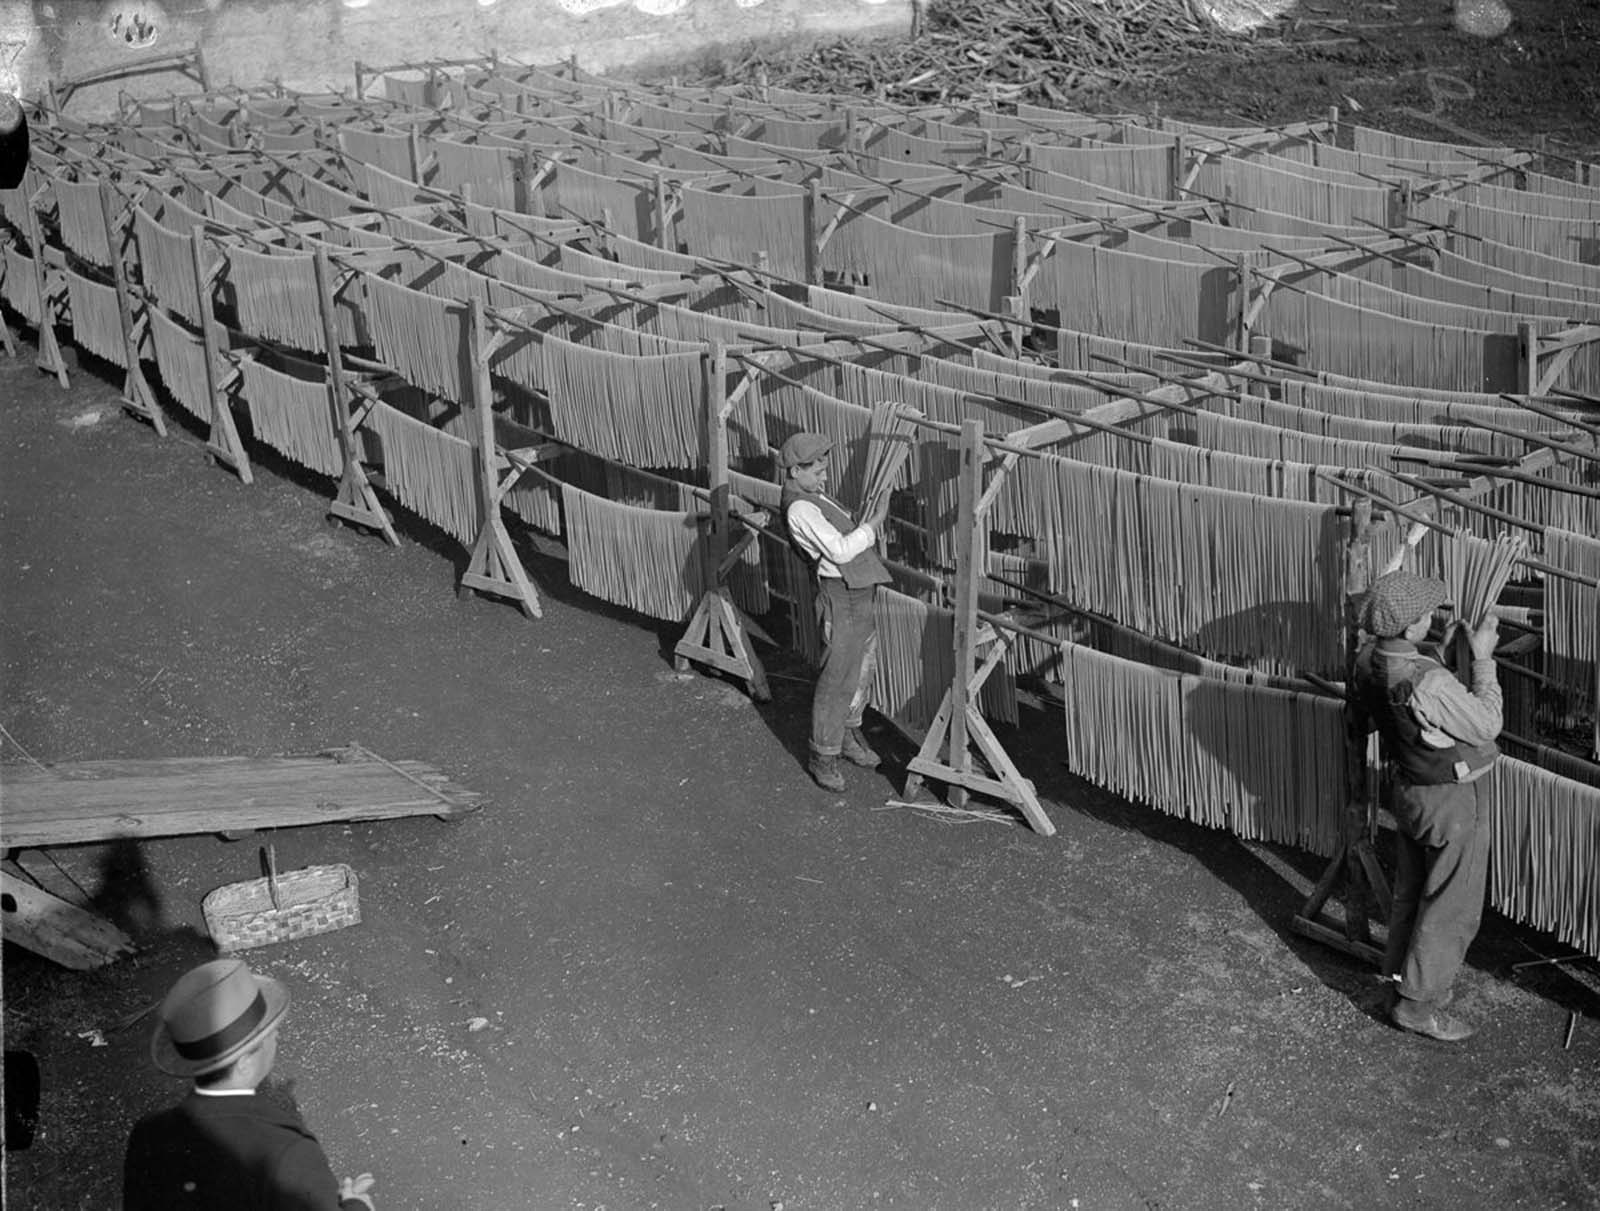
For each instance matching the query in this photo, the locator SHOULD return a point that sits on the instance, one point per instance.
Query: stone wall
(313, 44)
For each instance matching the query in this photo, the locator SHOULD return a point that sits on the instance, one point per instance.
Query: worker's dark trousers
(849, 659)
(1443, 859)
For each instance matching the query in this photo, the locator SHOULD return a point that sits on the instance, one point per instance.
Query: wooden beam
(61, 932)
(105, 800)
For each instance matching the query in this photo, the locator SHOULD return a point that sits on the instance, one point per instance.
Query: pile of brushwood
(1041, 52)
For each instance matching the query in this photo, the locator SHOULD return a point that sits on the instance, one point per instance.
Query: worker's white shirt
(820, 538)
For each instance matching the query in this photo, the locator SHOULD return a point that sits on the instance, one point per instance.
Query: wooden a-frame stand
(1355, 862)
(49, 357)
(356, 501)
(137, 397)
(223, 440)
(945, 755)
(494, 566)
(719, 632)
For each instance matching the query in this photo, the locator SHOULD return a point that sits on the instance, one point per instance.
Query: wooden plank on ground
(61, 932)
(101, 800)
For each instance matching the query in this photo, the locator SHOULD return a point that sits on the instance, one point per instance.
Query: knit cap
(1397, 599)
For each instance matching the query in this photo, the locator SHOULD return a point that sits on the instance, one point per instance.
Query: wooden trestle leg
(719, 632)
(494, 566)
(946, 752)
(1355, 862)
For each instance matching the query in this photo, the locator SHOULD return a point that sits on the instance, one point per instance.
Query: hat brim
(165, 1053)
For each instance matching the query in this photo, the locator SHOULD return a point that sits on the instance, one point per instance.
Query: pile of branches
(1037, 51)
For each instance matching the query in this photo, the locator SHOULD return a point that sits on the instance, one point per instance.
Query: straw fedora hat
(212, 1016)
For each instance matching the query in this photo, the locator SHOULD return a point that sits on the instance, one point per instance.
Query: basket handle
(269, 857)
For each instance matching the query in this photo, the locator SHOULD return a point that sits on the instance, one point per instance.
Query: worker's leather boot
(857, 750)
(1430, 1021)
(825, 769)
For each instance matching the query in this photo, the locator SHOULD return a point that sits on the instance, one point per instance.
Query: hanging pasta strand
(276, 297)
(645, 559)
(96, 318)
(1544, 866)
(181, 358)
(291, 415)
(430, 472)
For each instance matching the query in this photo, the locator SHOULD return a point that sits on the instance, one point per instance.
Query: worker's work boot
(857, 750)
(825, 769)
(1430, 1021)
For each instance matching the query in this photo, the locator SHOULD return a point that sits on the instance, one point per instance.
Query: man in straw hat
(1438, 741)
(845, 558)
(225, 1147)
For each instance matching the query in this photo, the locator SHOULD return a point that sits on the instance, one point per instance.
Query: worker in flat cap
(1438, 742)
(843, 553)
(225, 1147)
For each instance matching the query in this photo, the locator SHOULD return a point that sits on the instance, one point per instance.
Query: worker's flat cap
(803, 448)
(1400, 598)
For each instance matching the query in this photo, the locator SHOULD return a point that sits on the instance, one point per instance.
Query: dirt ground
(705, 982)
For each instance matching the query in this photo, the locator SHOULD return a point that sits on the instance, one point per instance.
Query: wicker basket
(280, 908)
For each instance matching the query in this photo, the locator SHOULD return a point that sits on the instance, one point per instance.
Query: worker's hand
(357, 1189)
(1486, 638)
(879, 515)
(10, 113)
(1416, 533)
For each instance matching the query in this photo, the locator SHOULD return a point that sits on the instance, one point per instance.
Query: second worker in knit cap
(842, 552)
(1438, 742)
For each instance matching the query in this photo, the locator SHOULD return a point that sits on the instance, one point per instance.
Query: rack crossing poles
(1355, 861)
(946, 752)
(356, 502)
(494, 566)
(137, 397)
(223, 440)
(1544, 359)
(719, 632)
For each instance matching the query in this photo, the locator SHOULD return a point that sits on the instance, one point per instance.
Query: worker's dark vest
(1387, 685)
(862, 572)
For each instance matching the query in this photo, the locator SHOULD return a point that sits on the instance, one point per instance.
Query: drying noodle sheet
(181, 359)
(275, 296)
(1225, 573)
(82, 220)
(735, 227)
(644, 411)
(648, 560)
(21, 287)
(166, 266)
(387, 150)
(1264, 763)
(422, 337)
(916, 664)
(96, 318)
(1544, 856)
(292, 415)
(912, 268)
(430, 472)
(1572, 614)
